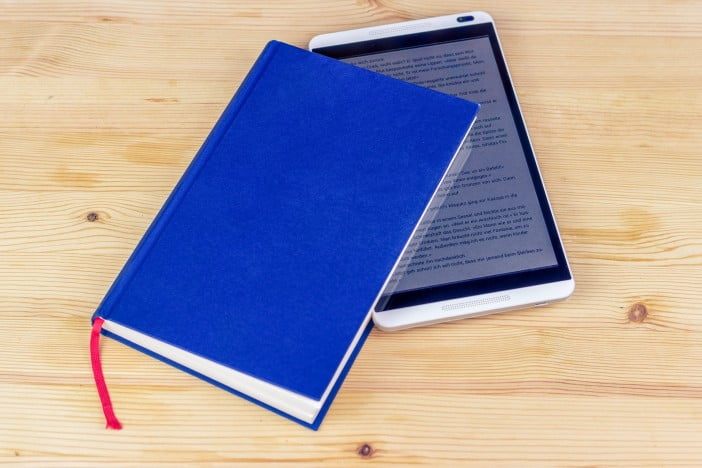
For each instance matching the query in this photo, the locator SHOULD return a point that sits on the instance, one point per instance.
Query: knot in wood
(365, 450)
(638, 312)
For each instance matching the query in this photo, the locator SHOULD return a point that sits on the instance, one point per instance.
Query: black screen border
(484, 285)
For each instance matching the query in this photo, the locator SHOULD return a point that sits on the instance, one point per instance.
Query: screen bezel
(483, 285)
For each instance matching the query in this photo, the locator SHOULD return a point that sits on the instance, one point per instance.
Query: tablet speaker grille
(395, 29)
(477, 302)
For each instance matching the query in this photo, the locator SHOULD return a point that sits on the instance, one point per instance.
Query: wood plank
(105, 103)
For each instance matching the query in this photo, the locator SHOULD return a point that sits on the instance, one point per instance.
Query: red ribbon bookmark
(110, 418)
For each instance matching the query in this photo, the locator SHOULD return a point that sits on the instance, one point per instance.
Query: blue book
(259, 272)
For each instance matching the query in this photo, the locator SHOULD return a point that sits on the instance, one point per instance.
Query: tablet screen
(489, 219)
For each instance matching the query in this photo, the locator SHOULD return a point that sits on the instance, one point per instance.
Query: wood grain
(104, 104)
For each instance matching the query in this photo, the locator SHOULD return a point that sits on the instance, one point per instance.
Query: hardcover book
(260, 270)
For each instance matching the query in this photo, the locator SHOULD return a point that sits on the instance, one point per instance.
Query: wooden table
(104, 104)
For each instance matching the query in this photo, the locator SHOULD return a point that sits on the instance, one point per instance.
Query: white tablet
(488, 241)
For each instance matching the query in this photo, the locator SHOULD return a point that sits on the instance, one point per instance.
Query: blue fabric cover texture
(270, 251)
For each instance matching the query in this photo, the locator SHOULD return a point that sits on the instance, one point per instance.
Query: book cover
(259, 272)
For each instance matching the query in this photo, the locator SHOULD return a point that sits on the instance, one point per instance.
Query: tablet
(488, 241)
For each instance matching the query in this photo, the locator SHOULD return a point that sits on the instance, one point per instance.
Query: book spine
(189, 176)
